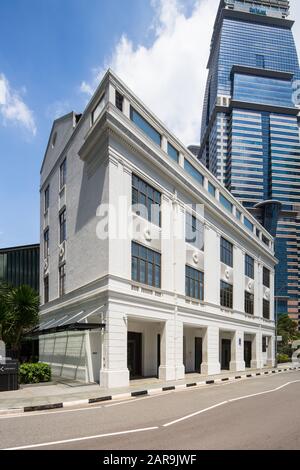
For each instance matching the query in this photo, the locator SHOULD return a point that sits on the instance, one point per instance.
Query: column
(257, 359)
(212, 266)
(114, 372)
(237, 362)
(172, 367)
(238, 280)
(211, 347)
(271, 351)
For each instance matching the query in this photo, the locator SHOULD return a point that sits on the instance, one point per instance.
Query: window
(62, 280)
(62, 226)
(264, 344)
(266, 309)
(46, 243)
(191, 170)
(248, 224)
(249, 266)
(46, 289)
(46, 199)
(98, 109)
(265, 240)
(266, 277)
(249, 303)
(173, 153)
(226, 297)
(225, 203)
(211, 189)
(146, 265)
(63, 174)
(260, 61)
(145, 126)
(194, 231)
(119, 101)
(146, 201)
(226, 252)
(194, 283)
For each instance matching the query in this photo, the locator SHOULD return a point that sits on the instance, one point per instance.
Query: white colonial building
(126, 292)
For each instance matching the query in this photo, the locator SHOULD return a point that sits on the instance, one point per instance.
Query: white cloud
(12, 107)
(170, 75)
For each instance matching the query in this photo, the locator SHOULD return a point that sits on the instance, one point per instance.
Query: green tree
(4, 290)
(288, 329)
(22, 306)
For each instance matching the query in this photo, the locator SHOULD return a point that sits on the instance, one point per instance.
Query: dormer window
(98, 109)
(119, 101)
(54, 138)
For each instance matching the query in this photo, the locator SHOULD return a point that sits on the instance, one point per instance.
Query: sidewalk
(68, 394)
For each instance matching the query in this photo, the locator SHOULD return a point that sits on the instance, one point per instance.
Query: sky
(53, 55)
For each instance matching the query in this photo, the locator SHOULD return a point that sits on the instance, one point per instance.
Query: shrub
(282, 358)
(35, 373)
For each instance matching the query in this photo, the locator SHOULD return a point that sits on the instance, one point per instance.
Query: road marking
(77, 439)
(194, 414)
(92, 407)
(227, 402)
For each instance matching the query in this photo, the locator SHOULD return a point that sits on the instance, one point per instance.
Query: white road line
(92, 406)
(194, 414)
(67, 441)
(229, 401)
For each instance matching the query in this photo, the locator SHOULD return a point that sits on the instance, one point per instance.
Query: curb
(139, 393)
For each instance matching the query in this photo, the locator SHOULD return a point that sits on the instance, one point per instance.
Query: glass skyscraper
(250, 125)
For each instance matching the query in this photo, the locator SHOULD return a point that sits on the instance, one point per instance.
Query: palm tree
(23, 306)
(4, 290)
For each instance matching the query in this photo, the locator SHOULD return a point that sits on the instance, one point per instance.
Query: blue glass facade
(250, 130)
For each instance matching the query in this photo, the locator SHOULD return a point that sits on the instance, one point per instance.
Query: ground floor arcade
(132, 347)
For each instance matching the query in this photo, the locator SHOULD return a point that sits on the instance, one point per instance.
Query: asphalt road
(255, 413)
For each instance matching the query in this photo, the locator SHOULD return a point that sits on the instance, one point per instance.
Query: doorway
(134, 354)
(226, 354)
(198, 355)
(248, 353)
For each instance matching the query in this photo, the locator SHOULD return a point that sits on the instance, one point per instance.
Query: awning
(67, 323)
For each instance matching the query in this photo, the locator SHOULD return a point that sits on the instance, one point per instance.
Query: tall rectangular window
(46, 199)
(145, 265)
(249, 303)
(226, 252)
(211, 189)
(144, 125)
(119, 101)
(266, 309)
(46, 289)
(98, 109)
(62, 280)
(194, 231)
(266, 277)
(146, 200)
(63, 174)
(249, 266)
(46, 243)
(226, 295)
(62, 226)
(194, 283)
(264, 344)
